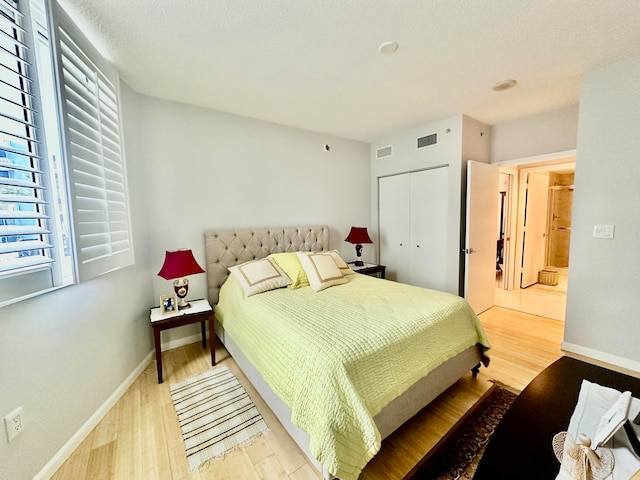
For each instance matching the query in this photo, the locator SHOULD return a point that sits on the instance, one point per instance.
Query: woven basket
(548, 277)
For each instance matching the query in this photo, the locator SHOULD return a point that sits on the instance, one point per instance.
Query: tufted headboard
(227, 248)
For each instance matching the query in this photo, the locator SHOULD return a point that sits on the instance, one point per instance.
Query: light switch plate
(603, 231)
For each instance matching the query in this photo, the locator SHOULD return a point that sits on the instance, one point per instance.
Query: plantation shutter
(95, 158)
(23, 226)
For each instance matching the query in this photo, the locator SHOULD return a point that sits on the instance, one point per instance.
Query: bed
(344, 367)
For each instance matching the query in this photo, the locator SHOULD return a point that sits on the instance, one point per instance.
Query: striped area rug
(215, 414)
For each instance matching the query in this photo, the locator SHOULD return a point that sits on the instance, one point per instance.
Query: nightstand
(200, 311)
(369, 269)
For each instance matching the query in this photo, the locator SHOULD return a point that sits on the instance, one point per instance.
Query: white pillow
(321, 270)
(342, 265)
(259, 276)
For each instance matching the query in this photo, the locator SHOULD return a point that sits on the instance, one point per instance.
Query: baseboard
(74, 442)
(613, 362)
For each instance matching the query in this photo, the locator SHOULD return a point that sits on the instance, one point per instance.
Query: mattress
(337, 357)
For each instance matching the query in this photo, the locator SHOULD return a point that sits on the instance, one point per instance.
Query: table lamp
(177, 265)
(358, 235)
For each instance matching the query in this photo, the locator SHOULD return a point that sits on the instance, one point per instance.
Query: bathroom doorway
(544, 291)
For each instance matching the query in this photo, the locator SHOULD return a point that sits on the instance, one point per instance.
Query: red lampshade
(358, 235)
(179, 264)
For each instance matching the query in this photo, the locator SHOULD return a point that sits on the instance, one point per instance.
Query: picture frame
(169, 304)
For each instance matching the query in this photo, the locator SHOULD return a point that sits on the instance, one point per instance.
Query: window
(64, 212)
(95, 159)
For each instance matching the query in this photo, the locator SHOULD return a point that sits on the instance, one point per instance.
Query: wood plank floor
(140, 437)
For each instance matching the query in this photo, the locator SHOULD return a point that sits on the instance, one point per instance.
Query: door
(394, 198)
(535, 228)
(414, 223)
(429, 228)
(481, 235)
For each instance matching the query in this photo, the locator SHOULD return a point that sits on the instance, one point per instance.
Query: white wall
(211, 170)
(64, 353)
(548, 132)
(603, 297)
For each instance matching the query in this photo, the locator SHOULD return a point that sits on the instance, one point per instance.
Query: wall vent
(428, 140)
(384, 152)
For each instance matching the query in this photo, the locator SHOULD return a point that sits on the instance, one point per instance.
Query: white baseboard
(608, 358)
(74, 442)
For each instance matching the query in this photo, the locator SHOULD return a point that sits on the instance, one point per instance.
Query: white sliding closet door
(394, 196)
(413, 222)
(429, 225)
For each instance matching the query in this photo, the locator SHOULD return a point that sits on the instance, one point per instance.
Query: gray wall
(548, 132)
(212, 170)
(603, 298)
(64, 353)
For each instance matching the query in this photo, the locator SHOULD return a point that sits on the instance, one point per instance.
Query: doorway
(534, 229)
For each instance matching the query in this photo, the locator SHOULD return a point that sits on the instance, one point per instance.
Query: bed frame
(231, 247)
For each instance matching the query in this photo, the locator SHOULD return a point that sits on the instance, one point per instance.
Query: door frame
(538, 163)
(511, 209)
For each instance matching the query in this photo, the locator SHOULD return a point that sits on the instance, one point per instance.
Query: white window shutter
(94, 150)
(23, 217)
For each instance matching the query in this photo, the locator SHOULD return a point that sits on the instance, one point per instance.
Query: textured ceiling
(315, 64)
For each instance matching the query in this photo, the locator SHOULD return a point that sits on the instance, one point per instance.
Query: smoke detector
(388, 47)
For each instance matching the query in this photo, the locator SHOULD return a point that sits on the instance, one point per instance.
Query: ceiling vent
(428, 140)
(384, 152)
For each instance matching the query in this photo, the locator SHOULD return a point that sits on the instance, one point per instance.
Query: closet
(418, 185)
(413, 217)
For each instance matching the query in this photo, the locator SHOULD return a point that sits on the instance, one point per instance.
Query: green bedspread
(339, 356)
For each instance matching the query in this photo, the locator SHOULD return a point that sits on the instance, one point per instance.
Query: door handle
(468, 250)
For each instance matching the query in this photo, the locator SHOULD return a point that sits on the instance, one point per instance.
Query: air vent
(428, 140)
(384, 152)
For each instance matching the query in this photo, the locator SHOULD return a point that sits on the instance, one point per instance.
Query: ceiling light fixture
(504, 85)
(388, 47)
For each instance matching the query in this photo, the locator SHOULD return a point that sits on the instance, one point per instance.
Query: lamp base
(181, 287)
(359, 263)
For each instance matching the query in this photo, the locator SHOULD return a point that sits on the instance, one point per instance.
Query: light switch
(603, 231)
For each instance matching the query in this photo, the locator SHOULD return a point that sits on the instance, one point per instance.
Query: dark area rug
(456, 456)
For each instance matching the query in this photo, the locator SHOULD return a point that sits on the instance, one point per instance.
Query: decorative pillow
(290, 264)
(321, 270)
(259, 276)
(342, 265)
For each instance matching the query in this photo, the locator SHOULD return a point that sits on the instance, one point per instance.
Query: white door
(429, 228)
(535, 228)
(481, 235)
(394, 199)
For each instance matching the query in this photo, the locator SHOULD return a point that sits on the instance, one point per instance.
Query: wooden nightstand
(200, 311)
(369, 269)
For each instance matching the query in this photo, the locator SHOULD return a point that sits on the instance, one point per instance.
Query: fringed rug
(215, 414)
(456, 456)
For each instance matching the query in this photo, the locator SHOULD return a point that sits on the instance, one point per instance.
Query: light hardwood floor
(538, 299)
(140, 437)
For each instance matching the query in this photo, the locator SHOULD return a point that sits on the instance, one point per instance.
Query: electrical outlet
(13, 423)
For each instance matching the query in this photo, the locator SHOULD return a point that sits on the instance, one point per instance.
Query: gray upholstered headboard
(227, 248)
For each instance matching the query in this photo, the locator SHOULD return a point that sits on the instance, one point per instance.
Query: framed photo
(168, 304)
